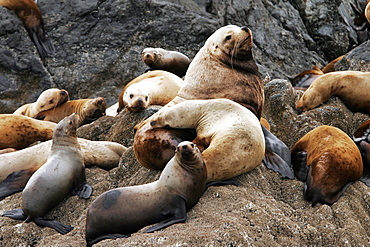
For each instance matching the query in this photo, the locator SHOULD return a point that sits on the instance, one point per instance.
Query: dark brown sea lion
(30, 14)
(120, 212)
(328, 161)
(61, 175)
(171, 61)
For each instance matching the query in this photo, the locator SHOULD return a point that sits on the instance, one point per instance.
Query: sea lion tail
(56, 225)
(42, 41)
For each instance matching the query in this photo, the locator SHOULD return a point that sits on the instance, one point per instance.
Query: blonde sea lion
(161, 59)
(223, 68)
(17, 167)
(61, 175)
(350, 86)
(367, 11)
(151, 74)
(223, 127)
(157, 90)
(87, 109)
(48, 99)
(119, 212)
(17, 131)
(328, 161)
(30, 14)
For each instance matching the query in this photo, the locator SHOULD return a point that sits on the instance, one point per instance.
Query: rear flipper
(83, 191)
(15, 182)
(90, 243)
(230, 181)
(43, 43)
(176, 214)
(277, 155)
(299, 160)
(16, 214)
(56, 225)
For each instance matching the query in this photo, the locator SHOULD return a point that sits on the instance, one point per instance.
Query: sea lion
(223, 127)
(367, 11)
(61, 175)
(7, 150)
(157, 90)
(119, 212)
(30, 14)
(223, 68)
(328, 161)
(351, 87)
(362, 139)
(17, 167)
(305, 79)
(17, 131)
(48, 99)
(88, 110)
(171, 61)
(147, 75)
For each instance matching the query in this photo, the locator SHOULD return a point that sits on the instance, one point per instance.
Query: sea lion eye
(228, 37)
(70, 122)
(131, 96)
(51, 101)
(146, 98)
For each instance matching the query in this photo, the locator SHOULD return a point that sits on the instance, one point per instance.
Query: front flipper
(16, 214)
(277, 155)
(230, 181)
(299, 160)
(364, 147)
(107, 236)
(176, 214)
(83, 190)
(56, 225)
(15, 182)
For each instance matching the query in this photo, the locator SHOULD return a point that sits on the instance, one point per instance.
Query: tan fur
(17, 131)
(157, 90)
(103, 154)
(334, 160)
(351, 87)
(150, 74)
(48, 99)
(367, 11)
(87, 109)
(230, 134)
(171, 61)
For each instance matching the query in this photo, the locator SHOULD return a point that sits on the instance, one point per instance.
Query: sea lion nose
(245, 28)
(63, 93)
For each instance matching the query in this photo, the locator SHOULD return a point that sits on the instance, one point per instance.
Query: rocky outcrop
(98, 50)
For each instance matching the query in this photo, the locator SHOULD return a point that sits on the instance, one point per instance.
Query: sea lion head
(51, 98)
(231, 42)
(93, 109)
(309, 100)
(136, 98)
(150, 56)
(188, 152)
(67, 126)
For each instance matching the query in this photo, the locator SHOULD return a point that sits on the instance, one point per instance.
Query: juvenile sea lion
(119, 212)
(158, 90)
(30, 14)
(48, 99)
(171, 61)
(17, 167)
(351, 87)
(61, 175)
(223, 68)
(17, 131)
(147, 75)
(87, 109)
(223, 127)
(328, 161)
(361, 137)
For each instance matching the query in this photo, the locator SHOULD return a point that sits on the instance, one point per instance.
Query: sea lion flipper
(56, 225)
(107, 236)
(277, 146)
(16, 214)
(15, 182)
(274, 162)
(178, 215)
(230, 181)
(84, 191)
(299, 160)
(43, 44)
